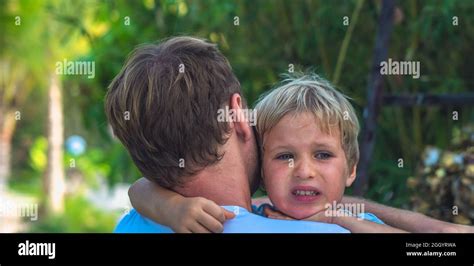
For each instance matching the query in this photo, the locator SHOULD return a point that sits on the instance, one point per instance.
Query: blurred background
(57, 153)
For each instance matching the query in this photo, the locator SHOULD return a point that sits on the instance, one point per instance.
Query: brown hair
(172, 92)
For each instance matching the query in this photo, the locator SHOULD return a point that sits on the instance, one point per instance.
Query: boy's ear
(239, 123)
(352, 176)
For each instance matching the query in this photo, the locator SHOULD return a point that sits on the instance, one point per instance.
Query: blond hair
(301, 93)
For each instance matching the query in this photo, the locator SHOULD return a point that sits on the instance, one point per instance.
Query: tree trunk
(7, 127)
(374, 96)
(54, 184)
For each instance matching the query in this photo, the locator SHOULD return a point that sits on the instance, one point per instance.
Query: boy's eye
(285, 156)
(323, 155)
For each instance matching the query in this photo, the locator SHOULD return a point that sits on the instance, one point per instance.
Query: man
(163, 107)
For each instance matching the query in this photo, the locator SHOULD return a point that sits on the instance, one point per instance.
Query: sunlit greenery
(268, 37)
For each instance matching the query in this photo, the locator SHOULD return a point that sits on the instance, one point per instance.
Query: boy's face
(303, 167)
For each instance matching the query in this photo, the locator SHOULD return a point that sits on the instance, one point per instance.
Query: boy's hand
(320, 216)
(355, 225)
(198, 215)
(274, 214)
(183, 215)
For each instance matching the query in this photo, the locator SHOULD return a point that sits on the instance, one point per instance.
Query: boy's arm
(351, 223)
(183, 215)
(408, 220)
(355, 225)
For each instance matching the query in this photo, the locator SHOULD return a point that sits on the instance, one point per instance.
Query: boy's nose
(304, 169)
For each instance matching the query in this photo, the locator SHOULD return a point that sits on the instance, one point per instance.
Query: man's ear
(352, 176)
(240, 123)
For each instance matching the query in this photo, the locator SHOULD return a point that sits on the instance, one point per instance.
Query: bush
(80, 216)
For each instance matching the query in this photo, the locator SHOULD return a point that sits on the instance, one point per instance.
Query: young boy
(308, 134)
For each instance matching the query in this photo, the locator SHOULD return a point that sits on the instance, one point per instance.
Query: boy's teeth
(305, 193)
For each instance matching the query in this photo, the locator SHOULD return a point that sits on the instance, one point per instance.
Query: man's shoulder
(133, 222)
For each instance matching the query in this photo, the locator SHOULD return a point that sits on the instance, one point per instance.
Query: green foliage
(38, 157)
(112, 162)
(28, 179)
(26, 184)
(269, 37)
(80, 216)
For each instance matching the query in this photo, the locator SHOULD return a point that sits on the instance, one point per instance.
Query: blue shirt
(243, 222)
(363, 216)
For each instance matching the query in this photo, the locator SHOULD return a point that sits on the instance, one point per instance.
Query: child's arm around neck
(183, 215)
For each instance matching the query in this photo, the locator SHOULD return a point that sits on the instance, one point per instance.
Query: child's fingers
(198, 228)
(280, 217)
(275, 214)
(211, 223)
(215, 210)
(228, 214)
(270, 212)
(182, 231)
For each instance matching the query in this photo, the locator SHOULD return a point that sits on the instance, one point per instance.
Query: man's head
(163, 107)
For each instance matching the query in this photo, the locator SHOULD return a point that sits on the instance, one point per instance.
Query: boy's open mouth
(305, 193)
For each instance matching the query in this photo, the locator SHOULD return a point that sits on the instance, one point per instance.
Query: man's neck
(225, 183)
